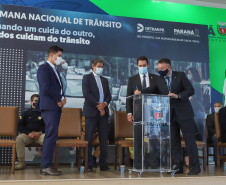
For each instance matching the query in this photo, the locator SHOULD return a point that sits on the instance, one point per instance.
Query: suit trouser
(151, 150)
(138, 136)
(187, 128)
(101, 123)
(52, 120)
(23, 140)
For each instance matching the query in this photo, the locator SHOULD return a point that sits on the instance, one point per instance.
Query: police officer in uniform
(31, 128)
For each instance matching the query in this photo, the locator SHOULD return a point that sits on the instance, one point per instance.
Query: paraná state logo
(221, 28)
(157, 114)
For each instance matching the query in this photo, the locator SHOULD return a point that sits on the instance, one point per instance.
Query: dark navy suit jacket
(222, 120)
(49, 88)
(135, 84)
(180, 85)
(91, 94)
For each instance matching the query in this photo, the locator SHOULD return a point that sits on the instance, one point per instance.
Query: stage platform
(71, 175)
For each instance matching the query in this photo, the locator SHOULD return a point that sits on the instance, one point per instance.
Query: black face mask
(34, 104)
(163, 73)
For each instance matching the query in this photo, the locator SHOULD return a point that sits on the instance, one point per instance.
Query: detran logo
(140, 27)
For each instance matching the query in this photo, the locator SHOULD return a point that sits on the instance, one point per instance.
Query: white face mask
(65, 66)
(58, 61)
(99, 71)
(216, 109)
(189, 77)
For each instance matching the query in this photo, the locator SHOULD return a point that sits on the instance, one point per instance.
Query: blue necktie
(168, 83)
(100, 89)
(144, 82)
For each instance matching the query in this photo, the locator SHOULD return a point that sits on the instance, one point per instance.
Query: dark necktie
(144, 82)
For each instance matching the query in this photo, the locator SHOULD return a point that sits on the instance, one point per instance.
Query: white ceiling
(207, 3)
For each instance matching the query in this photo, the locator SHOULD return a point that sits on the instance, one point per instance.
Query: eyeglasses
(162, 69)
(35, 100)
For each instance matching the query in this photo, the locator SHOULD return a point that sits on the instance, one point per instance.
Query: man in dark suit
(210, 124)
(97, 98)
(222, 120)
(140, 81)
(50, 103)
(177, 85)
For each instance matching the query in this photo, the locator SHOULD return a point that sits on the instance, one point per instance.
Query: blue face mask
(143, 70)
(163, 73)
(99, 71)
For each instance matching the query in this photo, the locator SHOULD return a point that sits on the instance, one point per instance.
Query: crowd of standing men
(97, 97)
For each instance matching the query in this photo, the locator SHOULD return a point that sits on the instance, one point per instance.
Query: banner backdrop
(27, 33)
(186, 13)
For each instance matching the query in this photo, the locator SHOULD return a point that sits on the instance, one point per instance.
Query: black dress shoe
(90, 168)
(178, 169)
(194, 171)
(104, 168)
(49, 171)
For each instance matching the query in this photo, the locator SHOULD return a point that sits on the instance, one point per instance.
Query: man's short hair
(97, 60)
(54, 49)
(142, 58)
(34, 96)
(164, 61)
(218, 102)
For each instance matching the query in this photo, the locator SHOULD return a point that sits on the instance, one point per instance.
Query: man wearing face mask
(31, 128)
(210, 123)
(179, 87)
(50, 103)
(97, 96)
(140, 81)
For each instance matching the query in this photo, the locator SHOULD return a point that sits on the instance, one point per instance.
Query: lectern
(152, 146)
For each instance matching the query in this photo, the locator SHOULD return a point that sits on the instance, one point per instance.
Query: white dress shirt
(146, 78)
